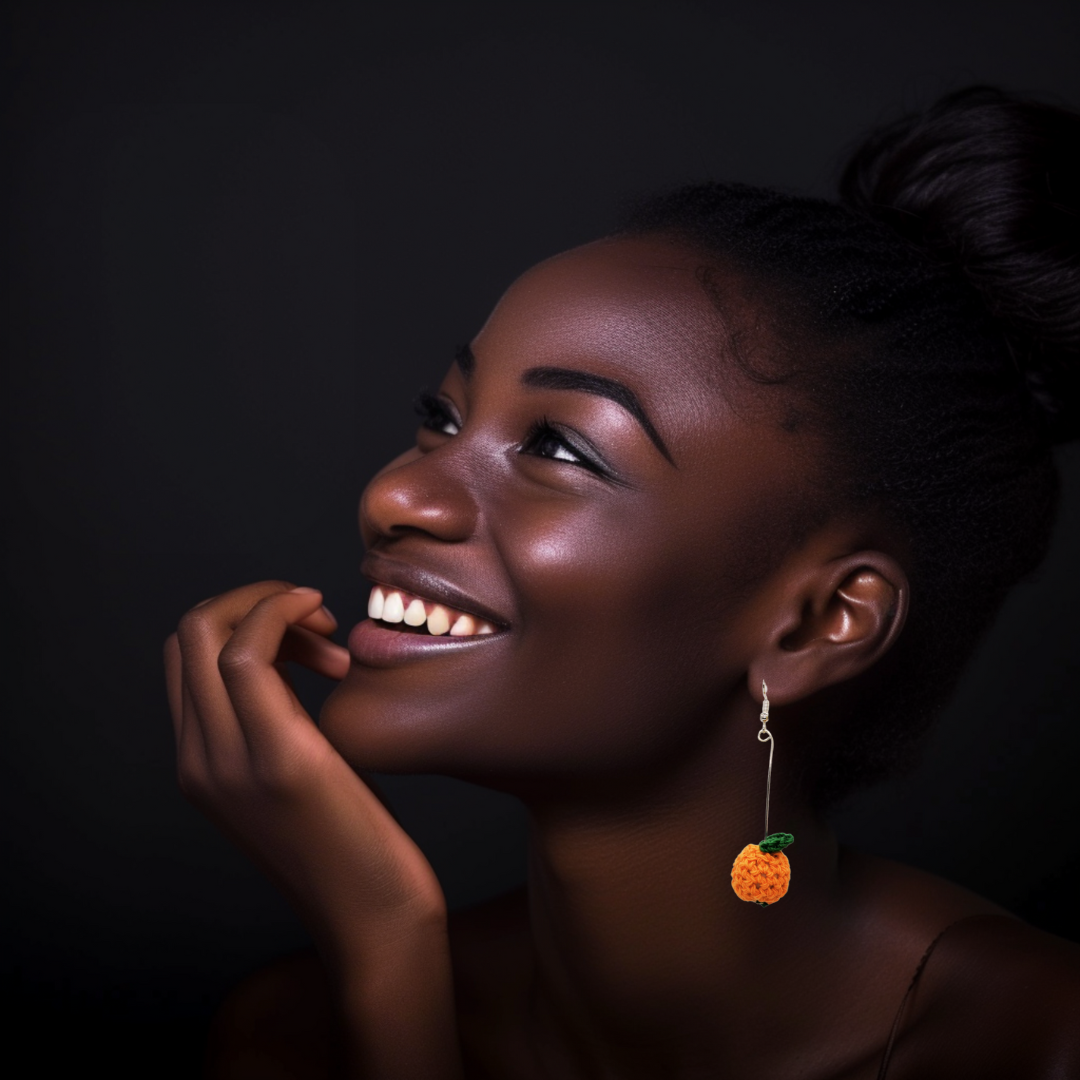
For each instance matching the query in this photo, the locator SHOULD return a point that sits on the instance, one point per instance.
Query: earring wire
(765, 735)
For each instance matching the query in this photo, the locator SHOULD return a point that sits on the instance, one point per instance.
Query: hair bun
(990, 183)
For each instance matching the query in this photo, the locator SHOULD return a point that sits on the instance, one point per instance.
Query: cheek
(622, 646)
(619, 652)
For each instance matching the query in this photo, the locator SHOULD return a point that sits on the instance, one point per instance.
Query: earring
(761, 873)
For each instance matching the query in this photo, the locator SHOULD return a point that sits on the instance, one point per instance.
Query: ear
(835, 620)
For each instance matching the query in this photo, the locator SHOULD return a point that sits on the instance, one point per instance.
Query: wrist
(369, 944)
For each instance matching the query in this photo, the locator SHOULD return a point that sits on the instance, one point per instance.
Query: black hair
(929, 325)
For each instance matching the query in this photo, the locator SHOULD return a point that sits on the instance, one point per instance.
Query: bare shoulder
(275, 1025)
(905, 897)
(995, 996)
(1006, 991)
(278, 1023)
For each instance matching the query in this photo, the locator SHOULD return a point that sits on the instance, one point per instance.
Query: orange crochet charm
(762, 873)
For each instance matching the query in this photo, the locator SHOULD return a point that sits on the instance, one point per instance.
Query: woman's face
(596, 479)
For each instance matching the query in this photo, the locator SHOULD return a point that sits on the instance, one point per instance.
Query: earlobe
(841, 619)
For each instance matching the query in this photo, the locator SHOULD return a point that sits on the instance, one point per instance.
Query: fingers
(254, 762)
(191, 764)
(207, 728)
(265, 707)
(207, 710)
(313, 651)
(321, 621)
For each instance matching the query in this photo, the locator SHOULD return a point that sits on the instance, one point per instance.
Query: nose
(417, 493)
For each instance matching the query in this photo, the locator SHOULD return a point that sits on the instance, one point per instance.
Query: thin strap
(887, 1055)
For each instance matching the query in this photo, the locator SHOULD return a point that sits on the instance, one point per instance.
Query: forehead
(632, 309)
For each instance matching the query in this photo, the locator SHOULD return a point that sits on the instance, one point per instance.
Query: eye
(435, 414)
(545, 440)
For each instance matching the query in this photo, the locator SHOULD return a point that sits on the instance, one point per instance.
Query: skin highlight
(546, 543)
(640, 599)
(638, 763)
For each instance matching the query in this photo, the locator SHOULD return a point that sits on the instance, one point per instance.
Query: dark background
(244, 235)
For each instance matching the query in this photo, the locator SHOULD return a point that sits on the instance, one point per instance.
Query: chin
(397, 722)
(383, 731)
(474, 722)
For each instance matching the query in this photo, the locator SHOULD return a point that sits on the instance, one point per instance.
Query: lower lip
(375, 646)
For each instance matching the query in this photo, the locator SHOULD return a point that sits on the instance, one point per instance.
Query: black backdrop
(243, 236)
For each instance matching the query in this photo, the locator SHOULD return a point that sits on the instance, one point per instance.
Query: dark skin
(643, 573)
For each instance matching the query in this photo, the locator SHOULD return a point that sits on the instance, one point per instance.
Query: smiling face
(593, 481)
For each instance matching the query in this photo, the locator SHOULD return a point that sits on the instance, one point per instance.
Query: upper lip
(427, 585)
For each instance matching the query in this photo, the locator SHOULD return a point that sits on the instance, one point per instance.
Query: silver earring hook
(765, 735)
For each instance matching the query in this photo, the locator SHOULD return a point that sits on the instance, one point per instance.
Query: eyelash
(542, 429)
(432, 412)
(434, 416)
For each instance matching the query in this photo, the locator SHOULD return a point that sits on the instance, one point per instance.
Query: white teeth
(464, 627)
(393, 609)
(415, 615)
(438, 622)
(375, 603)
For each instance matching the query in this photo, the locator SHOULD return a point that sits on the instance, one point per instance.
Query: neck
(639, 941)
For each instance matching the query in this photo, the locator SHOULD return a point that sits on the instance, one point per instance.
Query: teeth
(393, 609)
(415, 615)
(375, 603)
(438, 622)
(392, 606)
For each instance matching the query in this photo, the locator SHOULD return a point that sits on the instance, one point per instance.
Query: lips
(428, 585)
(373, 643)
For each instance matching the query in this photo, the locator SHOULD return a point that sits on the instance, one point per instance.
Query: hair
(935, 315)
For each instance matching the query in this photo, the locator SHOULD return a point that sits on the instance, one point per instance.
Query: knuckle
(236, 660)
(212, 618)
(193, 628)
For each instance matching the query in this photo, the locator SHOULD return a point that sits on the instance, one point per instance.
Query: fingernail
(303, 589)
(328, 613)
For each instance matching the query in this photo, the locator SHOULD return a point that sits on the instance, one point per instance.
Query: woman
(748, 440)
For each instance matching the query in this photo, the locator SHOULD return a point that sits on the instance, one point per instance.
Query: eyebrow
(557, 378)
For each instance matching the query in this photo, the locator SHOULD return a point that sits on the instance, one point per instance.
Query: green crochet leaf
(776, 841)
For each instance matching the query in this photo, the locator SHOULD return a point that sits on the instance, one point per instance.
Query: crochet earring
(761, 873)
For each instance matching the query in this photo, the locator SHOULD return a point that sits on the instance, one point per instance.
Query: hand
(252, 759)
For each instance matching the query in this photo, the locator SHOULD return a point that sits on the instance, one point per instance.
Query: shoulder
(278, 1023)
(994, 997)
(1005, 994)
